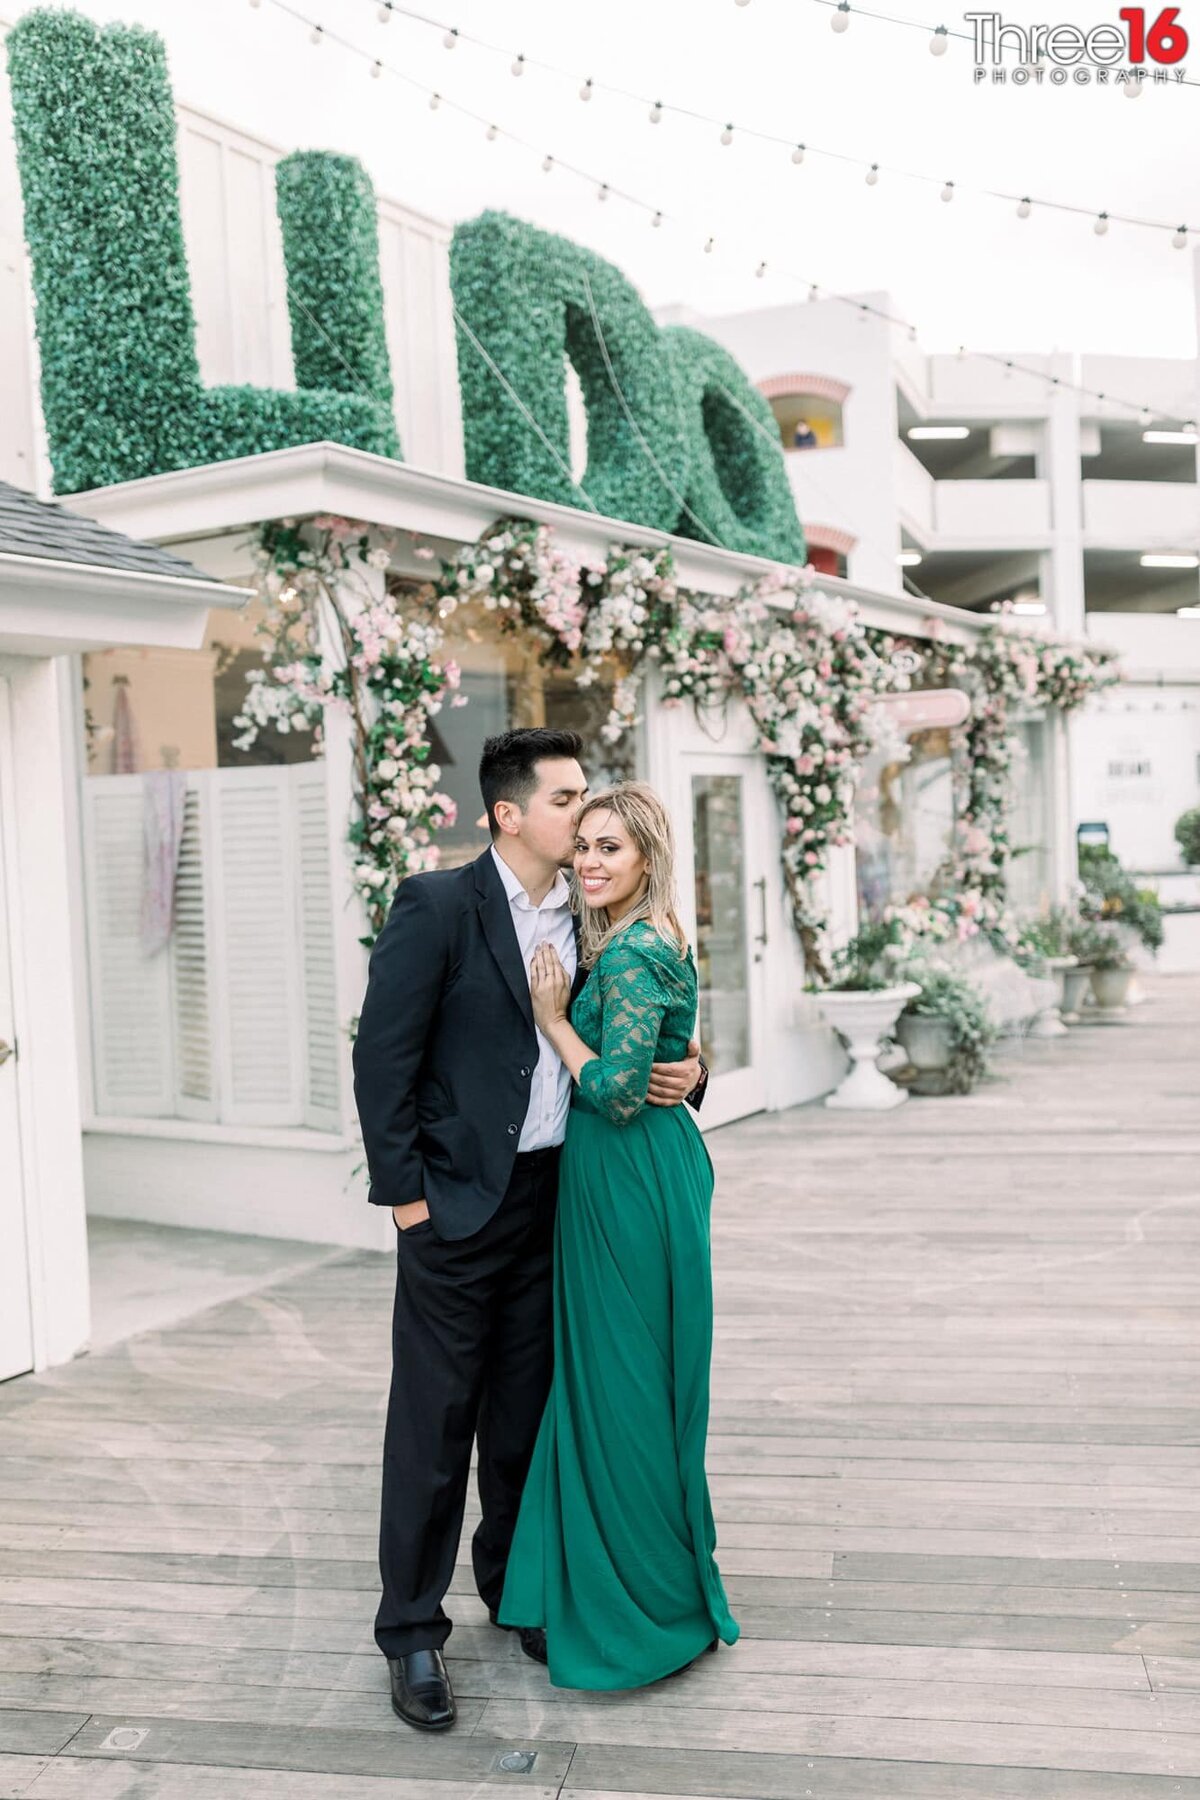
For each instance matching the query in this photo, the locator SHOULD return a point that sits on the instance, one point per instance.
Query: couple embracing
(523, 1054)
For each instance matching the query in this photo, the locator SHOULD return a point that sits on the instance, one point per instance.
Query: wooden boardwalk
(955, 1458)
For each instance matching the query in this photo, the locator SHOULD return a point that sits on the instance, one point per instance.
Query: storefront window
(174, 709)
(1029, 872)
(506, 687)
(904, 822)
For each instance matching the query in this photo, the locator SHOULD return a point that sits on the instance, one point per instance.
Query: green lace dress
(614, 1546)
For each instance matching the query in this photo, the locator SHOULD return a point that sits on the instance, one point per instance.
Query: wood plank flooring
(955, 1461)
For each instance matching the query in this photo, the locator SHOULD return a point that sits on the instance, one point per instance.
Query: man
(463, 1106)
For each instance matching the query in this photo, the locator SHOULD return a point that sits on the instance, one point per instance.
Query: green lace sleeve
(634, 998)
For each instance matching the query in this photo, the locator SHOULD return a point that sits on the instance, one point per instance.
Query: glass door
(728, 895)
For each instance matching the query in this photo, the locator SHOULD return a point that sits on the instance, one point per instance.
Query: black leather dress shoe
(533, 1638)
(421, 1692)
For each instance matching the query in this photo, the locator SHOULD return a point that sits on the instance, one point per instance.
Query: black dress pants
(472, 1357)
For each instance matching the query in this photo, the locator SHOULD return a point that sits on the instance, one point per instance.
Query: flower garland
(809, 671)
(1004, 670)
(810, 674)
(331, 642)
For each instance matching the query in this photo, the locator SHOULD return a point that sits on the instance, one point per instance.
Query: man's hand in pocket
(410, 1214)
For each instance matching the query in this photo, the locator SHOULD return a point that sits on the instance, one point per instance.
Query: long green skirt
(614, 1545)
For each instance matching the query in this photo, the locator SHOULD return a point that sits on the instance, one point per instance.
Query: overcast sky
(965, 272)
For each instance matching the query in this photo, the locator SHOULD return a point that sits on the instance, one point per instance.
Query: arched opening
(808, 410)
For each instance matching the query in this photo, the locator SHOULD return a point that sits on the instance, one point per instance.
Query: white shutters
(195, 1094)
(237, 1021)
(131, 1000)
(324, 1042)
(256, 944)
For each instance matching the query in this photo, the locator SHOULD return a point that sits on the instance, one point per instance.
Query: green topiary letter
(121, 391)
(326, 208)
(738, 489)
(677, 437)
(527, 300)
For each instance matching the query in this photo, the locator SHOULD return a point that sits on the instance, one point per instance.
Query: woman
(613, 1551)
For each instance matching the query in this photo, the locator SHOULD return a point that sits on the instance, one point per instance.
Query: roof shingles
(32, 527)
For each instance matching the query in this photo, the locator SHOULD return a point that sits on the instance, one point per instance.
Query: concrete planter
(863, 1019)
(1049, 1024)
(1111, 990)
(1075, 983)
(928, 1042)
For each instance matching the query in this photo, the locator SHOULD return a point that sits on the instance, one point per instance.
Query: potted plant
(1103, 949)
(1187, 835)
(946, 1030)
(862, 1002)
(1044, 947)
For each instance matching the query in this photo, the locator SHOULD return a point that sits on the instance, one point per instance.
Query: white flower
(387, 769)
(822, 795)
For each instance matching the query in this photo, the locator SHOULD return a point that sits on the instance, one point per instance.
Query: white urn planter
(1111, 990)
(1076, 980)
(1049, 1024)
(863, 1018)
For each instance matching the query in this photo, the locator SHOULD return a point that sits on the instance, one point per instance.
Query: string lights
(657, 217)
(657, 109)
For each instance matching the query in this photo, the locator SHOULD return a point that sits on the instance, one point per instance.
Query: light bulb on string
(1145, 418)
(912, 334)
(435, 100)
(840, 20)
(798, 154)
(256, 4)
(761, 270)
(872, 176)
(518, 65)
(585, 92)
(727, 136)
(656, 221)
(656, 112)
(708, 248)
(547, 164)
(376, 70)
(385, 12)
(450, 41)
(1179, 241)
(316, 35)
(492, 133)
(1133, 88)
(939, 41)
(814, 292)
(948, 191)
(602, 191)
(1100, 224)
(1024, 207)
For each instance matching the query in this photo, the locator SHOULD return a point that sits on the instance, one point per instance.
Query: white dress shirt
(551, 922)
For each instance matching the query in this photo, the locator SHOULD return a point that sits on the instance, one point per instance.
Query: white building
(214, 1078)
(1032, 493)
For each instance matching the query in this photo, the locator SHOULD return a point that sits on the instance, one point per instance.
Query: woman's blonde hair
(648, 823)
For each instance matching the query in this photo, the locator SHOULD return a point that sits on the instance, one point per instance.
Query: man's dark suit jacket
(446, 1048)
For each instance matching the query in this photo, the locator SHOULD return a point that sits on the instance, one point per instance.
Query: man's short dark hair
(508, 766)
